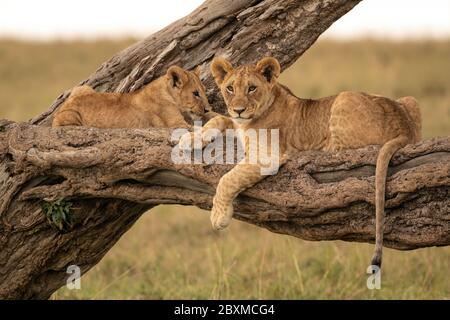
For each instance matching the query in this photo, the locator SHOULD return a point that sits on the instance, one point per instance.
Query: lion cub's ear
(177, 76)
(220, 67)
(269, 67)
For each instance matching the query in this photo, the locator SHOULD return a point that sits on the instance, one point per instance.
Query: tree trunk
(110, 177)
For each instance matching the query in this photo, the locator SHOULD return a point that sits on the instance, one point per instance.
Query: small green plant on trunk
(59, 214)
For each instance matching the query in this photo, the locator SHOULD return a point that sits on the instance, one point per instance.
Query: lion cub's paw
(221, 216)
(195, 140)
(186, 141)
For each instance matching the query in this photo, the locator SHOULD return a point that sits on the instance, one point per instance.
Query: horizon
(421, 21)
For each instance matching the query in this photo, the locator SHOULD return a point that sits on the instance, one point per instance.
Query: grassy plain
(172, 252)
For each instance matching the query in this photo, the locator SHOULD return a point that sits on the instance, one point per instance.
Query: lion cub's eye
(196, 93)
(230, 89)
(251, 88)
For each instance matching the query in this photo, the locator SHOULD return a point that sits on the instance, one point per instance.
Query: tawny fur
(348, 120)
(173, 100)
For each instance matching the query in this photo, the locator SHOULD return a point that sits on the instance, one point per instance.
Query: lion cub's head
(247, 90)
(188, 92)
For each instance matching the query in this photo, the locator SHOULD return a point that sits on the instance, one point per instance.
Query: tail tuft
(376, 261)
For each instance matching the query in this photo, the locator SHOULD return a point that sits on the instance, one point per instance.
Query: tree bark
(112, 176)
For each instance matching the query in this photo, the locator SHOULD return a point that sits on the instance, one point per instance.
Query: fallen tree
(68, 194)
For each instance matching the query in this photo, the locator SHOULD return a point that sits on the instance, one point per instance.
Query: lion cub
(173, 100)
(349, 120)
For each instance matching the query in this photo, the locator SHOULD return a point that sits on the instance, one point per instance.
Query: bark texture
(112, 176)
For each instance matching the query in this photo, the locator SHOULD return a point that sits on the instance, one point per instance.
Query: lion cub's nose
(239, 109)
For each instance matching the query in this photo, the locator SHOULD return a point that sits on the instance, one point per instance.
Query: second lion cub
(173, 100)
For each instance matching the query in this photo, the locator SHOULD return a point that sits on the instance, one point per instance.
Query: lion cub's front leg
(241, 177)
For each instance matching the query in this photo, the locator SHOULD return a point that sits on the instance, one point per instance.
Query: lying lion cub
(348, 120)
(172, 100)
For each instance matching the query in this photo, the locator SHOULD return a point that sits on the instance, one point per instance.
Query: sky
(62, 19)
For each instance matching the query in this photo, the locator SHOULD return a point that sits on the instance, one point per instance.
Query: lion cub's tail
(384, 156)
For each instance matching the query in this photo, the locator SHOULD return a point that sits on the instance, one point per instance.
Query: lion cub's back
(359, 119)
(86, 107)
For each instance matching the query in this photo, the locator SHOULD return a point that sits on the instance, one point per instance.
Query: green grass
(172, 252)
(32, 75)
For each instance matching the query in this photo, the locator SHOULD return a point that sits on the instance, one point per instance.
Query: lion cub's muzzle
(240, 113)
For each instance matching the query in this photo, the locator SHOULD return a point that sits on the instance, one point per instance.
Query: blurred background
(392, 48)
